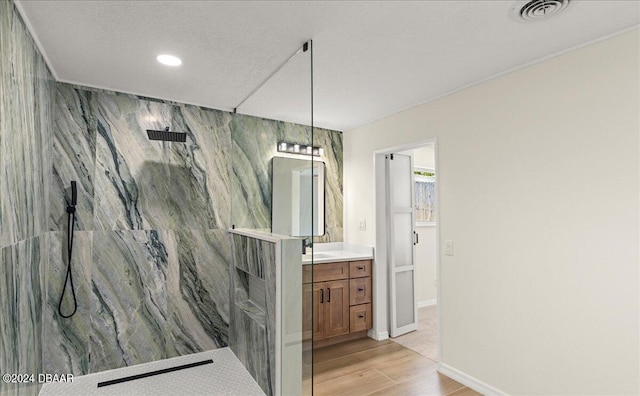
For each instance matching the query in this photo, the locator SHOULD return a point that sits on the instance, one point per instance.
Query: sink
(316, 256)
(321, 255)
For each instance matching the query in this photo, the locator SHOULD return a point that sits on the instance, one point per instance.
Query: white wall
(538, 176)
(426, 265)
(424, 157)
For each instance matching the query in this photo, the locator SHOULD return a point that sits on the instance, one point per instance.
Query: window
(425, 196)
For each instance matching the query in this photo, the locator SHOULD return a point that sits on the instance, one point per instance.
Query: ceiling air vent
(537, 10)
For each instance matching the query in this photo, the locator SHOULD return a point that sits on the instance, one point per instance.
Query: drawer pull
(361, 268)
(361, 289)
(361, 316)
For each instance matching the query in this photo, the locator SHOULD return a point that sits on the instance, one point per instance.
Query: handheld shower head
(72, 197)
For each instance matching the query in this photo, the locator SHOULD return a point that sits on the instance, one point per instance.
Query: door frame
(381, 324)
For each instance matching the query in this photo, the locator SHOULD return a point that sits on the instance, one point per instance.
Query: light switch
(448, 248)
(363, 225)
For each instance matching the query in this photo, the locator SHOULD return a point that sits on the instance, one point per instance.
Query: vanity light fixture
(294, 148)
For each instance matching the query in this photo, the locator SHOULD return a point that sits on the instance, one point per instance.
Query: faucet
(306, 242)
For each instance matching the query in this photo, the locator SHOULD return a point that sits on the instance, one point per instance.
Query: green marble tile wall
(25, 131)
(151, 250)
(156, 253)
(254, 143)
(26, 101)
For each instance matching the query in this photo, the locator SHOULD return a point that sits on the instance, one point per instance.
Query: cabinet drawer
(359, 269)
(325, 272)
(359, 291)
(360, 317)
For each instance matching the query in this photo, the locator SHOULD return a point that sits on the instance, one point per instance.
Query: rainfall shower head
(167, 136)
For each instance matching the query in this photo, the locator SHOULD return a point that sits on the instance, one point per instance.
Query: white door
(401, 242)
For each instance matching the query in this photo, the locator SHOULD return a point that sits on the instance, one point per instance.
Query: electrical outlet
(448, 248)
(363, 225)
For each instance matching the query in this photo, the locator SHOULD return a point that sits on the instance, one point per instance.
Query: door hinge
(391, 155)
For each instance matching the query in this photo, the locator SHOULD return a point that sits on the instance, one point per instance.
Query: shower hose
(71, 217)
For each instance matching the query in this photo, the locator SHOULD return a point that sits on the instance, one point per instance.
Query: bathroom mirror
(295, 186)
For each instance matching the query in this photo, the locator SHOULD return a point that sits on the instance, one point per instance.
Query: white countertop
(332, 252)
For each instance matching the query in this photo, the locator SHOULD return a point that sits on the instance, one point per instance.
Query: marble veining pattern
(144, 184)
(247, 255)
(157, 294)
(129, 304)
(25, 129)
(67, 349)
(254, 327)
(254, 144)
(252, 349)
(198, 291)
(21, 341)
(74, 147)
(25, 158)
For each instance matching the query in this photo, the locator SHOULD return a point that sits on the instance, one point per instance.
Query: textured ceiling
(371, 59)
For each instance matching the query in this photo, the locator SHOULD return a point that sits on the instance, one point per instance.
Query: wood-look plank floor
(368, 367)
(424, 340)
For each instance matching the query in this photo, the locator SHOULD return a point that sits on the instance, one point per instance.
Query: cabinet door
(336, 308)
(319, 303)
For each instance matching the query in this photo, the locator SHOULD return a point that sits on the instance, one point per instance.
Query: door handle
(416, 240)
(321, 296)
(329, 297)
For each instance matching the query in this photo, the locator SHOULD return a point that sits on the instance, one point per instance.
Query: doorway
(424, 338)
(380, 365)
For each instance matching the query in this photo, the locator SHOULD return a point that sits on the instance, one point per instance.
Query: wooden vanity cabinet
(338, 303)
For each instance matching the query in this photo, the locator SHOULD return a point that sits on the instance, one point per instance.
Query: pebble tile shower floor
(226, 376)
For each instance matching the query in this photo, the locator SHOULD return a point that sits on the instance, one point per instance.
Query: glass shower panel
(276, 121)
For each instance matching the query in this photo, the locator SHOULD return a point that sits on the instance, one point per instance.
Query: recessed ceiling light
(169, 60)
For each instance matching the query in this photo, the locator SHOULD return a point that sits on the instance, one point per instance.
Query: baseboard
(468, 380)
(426, 303)
(383, 335)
